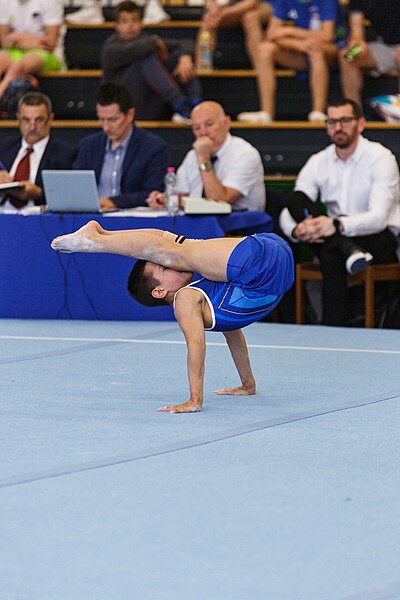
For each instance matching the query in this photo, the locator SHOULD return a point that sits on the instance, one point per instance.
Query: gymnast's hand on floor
(236, 391)
(187, 407)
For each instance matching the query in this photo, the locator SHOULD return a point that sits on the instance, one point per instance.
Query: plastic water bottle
(206, 55)
(315, 20)
(171, 192)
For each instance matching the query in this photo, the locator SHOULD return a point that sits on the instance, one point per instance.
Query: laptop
(72, 192)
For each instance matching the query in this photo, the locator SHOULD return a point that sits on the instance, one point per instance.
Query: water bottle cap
(170, 169)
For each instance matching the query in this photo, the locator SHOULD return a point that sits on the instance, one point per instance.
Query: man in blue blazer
(129, 162)
(35, 116)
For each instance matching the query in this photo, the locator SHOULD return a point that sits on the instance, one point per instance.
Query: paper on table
(11, 185)
(138, 211)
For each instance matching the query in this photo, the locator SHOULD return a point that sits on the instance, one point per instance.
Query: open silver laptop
(71, 192)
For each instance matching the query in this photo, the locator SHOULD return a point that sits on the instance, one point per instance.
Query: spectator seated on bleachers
(251, 15)
(157, 73)
(376, 57)
(310, 44)
(31, 38)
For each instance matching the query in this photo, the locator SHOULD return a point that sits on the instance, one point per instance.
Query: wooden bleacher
(284, 144)
(73, 91)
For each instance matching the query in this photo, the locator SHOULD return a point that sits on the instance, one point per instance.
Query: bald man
(219, 166)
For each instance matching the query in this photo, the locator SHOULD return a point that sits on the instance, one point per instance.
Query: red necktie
(21, 174)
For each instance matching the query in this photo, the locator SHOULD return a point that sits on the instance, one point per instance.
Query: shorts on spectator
(50, 60)
(385, 57)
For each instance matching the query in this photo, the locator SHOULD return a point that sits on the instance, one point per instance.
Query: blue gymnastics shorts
(263, 264)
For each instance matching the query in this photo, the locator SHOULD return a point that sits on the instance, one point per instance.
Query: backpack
(14, 92)
(387, 107)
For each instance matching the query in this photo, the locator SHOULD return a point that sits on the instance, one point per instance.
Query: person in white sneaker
(31, 37)
(92, 13)
(309, 44)
(159, 74)
(357, 182)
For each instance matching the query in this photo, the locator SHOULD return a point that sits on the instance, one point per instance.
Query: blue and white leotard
(259, 271)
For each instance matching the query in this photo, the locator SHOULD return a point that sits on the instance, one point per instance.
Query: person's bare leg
(352, 75)
(207, 257)
(266, 78)
(319, 77)
(5, 61)
(252, 24)
(29, 64)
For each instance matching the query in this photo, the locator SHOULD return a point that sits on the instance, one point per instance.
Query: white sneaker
(89, 15)
(258, 116)
(358, 261)
(316, 116)
(154, 12)
(178, 118)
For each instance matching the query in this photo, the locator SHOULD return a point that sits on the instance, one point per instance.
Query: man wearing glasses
(357, 182)
(24, 158)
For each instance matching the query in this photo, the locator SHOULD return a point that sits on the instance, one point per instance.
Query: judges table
(38, 283)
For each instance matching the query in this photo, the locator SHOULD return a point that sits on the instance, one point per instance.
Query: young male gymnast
(241, 281)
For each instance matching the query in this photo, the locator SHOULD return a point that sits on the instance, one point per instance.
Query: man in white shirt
(357, 182)
(219, 166)
(35, 116)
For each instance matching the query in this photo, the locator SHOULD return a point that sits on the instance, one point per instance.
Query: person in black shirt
(376, 57)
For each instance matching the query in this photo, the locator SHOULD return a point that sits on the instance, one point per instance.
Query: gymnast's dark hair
(140, 286)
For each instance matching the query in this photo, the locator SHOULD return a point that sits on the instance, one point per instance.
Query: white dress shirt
(238, 166)
(363, 190)
(34, 162)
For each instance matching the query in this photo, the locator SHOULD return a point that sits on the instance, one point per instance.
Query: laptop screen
(71, 191)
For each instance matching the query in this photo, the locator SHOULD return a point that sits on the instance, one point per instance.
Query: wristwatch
(206, 166)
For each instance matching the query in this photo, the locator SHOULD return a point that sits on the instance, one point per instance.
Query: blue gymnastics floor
(291, 494)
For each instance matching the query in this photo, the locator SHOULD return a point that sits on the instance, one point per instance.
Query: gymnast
(241, 280)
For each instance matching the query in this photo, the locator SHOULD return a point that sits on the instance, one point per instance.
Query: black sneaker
(358, 261)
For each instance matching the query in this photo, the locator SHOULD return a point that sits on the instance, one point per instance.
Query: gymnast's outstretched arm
(238, 348)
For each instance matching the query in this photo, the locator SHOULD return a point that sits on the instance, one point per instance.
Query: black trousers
(332, 253)
(154, 91)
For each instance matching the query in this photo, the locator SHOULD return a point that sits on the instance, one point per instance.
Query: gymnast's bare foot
(188, 407)
(82, 240)
(236, 391)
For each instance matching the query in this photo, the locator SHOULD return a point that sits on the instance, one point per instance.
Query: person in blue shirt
(241, 281)
(309, 43)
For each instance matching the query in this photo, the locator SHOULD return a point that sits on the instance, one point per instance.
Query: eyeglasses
(342, 121)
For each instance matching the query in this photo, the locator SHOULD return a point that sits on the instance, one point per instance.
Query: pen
(2, 167)
(306, 213)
